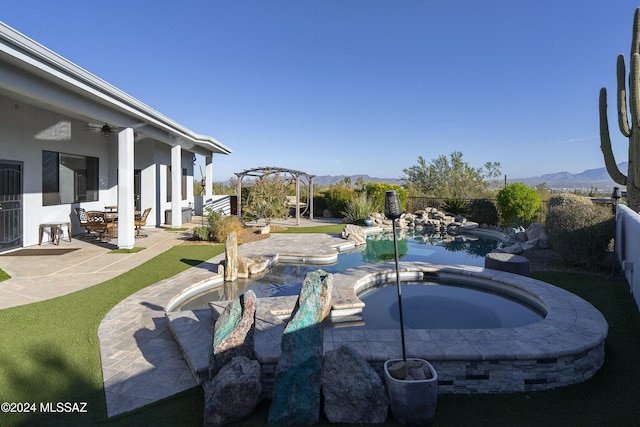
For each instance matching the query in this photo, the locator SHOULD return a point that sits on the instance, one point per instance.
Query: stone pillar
(126, 204)
(231, 257)
(176, 186)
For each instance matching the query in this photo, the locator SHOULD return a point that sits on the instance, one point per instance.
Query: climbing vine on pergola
(297, 177)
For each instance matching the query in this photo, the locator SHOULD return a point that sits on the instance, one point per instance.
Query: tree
(268, 198)
(451, 177)
(518, 204)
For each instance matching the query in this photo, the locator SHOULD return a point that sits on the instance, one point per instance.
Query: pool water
(286, 279)
(437, 305)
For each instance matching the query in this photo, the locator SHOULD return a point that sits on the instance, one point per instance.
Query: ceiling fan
(104, 129)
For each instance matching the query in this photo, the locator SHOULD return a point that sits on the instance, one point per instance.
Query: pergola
(271, 170)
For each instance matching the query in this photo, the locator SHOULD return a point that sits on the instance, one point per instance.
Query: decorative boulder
(233, 332)
(298, 374)
(353, 392)
(234, 393)
(231, 257)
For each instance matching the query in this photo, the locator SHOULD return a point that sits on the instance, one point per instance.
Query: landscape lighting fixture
(393, 211)
(616, 194)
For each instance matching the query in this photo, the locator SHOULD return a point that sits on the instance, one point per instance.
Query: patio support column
(126, 203)
(239, 195)
(176, 186)
(310, 201)
(208, 192)
(297, 199)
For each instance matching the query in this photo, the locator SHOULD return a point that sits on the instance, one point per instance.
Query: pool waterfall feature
(566, 347)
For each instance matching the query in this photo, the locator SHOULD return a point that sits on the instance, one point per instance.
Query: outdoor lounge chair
(82, 218)
(141, 222)
(97, 222)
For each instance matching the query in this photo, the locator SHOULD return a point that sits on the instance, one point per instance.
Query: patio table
(55, 231)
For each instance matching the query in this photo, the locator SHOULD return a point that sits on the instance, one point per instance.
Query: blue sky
(345, 87)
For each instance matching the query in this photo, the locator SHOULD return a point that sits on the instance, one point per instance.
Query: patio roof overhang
(33, 73)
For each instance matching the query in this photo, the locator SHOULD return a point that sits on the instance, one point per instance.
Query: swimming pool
(285, 279)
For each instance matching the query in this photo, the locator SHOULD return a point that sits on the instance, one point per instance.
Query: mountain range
(587, 180)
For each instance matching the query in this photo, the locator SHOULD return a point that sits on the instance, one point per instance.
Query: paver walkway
(141, 362)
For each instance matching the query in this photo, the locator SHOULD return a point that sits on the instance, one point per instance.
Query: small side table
(55, 231)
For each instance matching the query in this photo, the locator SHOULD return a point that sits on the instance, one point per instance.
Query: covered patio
(71, 140)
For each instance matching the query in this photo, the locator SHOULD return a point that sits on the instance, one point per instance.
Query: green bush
(336, 198)
(456, 206)
(563, 198)
(359, 208)
(518, 204)
(484, 211)
(202, 233)
(580, 232)
(376, 190)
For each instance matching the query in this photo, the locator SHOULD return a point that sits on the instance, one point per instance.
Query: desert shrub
(201, 233)
(563, 198)
(456, 206)
(484, 211)
(220, 226)
(518, 204)
(376, 190)
(578, 231)
(359, 208)
(337, 197)
(268, 198)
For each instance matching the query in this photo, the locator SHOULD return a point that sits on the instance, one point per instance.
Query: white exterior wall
(24, 132)
(627, 247)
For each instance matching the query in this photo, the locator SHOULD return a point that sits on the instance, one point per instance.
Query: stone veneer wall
(497, 376)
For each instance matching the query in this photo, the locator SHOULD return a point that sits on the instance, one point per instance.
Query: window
(183, 181)
(68, 178)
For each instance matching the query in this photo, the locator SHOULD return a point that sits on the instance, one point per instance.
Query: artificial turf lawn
(49, 352)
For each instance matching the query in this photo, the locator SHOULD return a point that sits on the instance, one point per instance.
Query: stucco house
(69, 139)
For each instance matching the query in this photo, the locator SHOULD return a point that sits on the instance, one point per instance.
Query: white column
(239, 196)
(176, 186)
(126, 204)
(208, 192)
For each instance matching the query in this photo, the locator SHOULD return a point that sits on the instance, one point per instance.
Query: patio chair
(82, 218)
(141, 222)
(97, 222)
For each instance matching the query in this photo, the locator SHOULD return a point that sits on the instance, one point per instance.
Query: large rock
(233, 332)
(353, 392)
(231, 257)
(354, 233)
(234, 393)
(298, 374)
(537, 235)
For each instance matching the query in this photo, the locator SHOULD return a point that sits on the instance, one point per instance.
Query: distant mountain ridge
(334, 179)
(586, 180)
(590, 178)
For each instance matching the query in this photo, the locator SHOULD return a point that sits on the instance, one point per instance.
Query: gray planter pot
(413, 402)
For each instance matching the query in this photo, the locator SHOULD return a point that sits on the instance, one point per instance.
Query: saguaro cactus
(629, 130)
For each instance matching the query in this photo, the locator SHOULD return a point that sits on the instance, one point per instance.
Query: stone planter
(413, 401)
